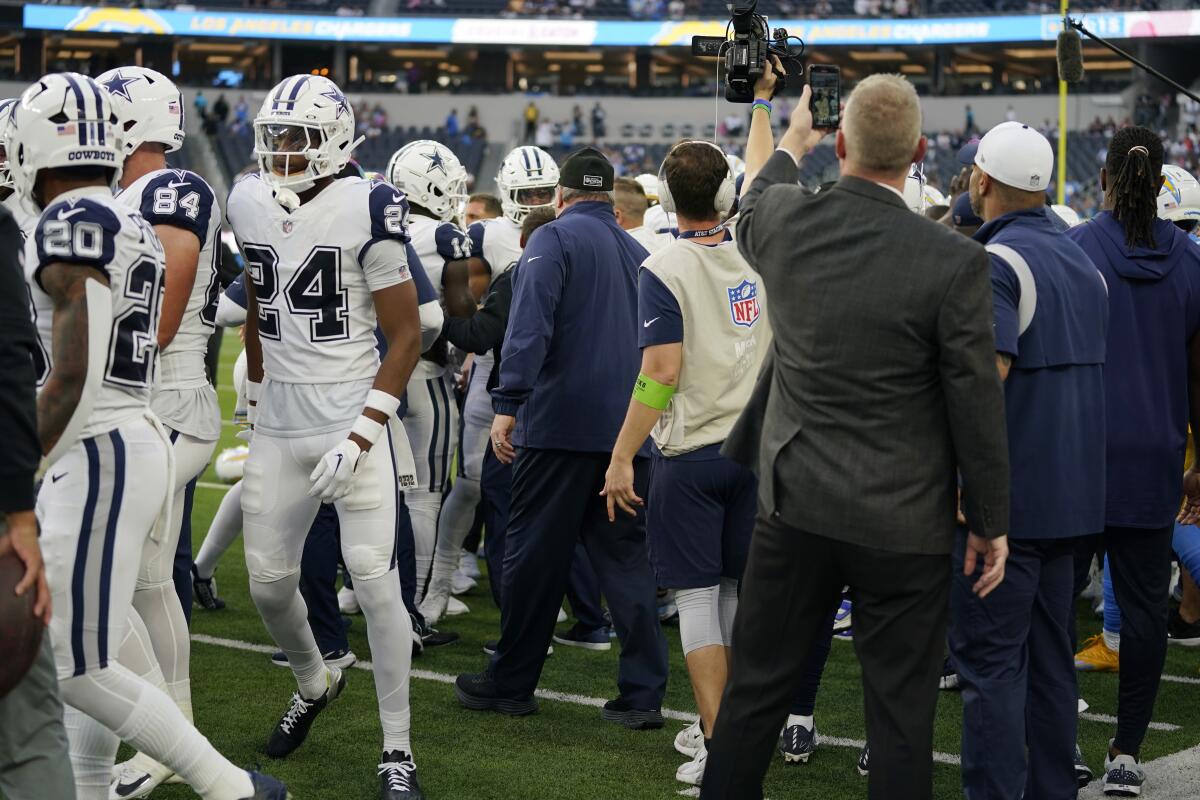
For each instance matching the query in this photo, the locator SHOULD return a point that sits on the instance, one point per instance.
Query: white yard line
(1111, 720)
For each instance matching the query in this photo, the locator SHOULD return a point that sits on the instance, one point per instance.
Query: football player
(9, 197)
(182, 208)
(527, 179)
(327, 260)
(434, 181)
(95, 272)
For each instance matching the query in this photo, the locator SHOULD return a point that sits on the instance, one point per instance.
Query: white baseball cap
(1014, 154)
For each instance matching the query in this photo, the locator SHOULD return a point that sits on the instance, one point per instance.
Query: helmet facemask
(291, 155)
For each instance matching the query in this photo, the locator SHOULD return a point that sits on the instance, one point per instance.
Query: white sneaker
(562, 615)
(137, 777)
(690, 740)
(469, 565)
(456, 607)
(692, 772)
(1095, 588)
(461, 583)
(347, 602)
(433, 606)
(1123, 776)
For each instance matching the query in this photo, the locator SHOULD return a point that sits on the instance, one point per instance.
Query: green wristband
(650, 392)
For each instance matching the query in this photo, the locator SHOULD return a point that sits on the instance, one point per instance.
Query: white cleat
(461, 583)
(469, 565)
(690, 740)
(692, 773)
(137, 777)
(433, 606)
(347, 602)
(562, 615)
(456, 607)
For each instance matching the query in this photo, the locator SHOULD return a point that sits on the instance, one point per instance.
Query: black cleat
(620, 712)
(478, 692)
(204, 592)
(294, 725)
(398, 777)
(864, 760)
(798, 744)
(267, 788)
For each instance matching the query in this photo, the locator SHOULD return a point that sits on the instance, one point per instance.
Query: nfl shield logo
(743, 304)
(287, 226)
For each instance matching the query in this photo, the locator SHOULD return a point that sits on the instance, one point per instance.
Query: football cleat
(435, 603)
(468, 564)
(204, 591)
(1123, 776)
(347, 602)
(267, 788)
(1097, 657)
(864, 760)
(293, 727)
(798, 744)
(1181, 632)
(692, 772)
(949, 680)
(461, 583)
(398, 777)
(842, 619)
(342, 659)
(137, 777)
(1083, 773)
(456, 607)
(690, 740)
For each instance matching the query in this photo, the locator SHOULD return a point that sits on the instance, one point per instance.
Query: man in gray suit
(882, 391)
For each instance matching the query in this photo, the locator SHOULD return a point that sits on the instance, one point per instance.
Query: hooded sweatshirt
(1154, 311)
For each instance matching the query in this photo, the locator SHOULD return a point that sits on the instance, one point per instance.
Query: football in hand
(20, 630)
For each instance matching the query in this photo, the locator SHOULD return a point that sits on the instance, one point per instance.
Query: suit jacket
(882, 387)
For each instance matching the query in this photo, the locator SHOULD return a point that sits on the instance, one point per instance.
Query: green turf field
(566, 750)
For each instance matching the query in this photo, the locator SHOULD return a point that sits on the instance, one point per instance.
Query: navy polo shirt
(1051, 316)
(1154, 301)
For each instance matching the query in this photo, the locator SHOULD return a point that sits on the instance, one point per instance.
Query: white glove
(335, 472)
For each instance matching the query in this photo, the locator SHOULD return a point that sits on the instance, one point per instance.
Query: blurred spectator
(531, 122)
(241, 113)
(598, 115)
(577, 121)
(201, 104)
(969, 126)
(566, 136)
(452, 124)
(544, 135)
(472, 118)
(220, 109)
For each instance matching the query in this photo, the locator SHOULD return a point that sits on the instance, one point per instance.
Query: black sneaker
(949, 680)
(798, 744)
(1181, 632)
(478, 692)
(398, 777)
(1083, 773)
(342, 659)
(864, 760)
(431, 637)
(293, 726)
(267, 788)
(417, 623)
(204, 592)
(622, 713)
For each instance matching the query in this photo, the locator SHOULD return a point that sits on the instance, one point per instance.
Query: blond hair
(882, 124)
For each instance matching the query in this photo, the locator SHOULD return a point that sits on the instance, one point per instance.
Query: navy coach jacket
(570, 355)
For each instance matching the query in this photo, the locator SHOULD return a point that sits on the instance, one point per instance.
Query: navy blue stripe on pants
(1016, 666)
(79, 575)
(556, 502)
(110, 540)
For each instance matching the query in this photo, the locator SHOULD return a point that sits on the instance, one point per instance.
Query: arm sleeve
(82, 233)
(484, 331)
(658, 309)
(1006, 300)
(18, 425)
(536, 293)
(974, 396)
(180, 199)
(757, 226)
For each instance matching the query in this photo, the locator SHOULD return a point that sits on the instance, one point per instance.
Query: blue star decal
(435, 161)
(119, 85)
(339, 101)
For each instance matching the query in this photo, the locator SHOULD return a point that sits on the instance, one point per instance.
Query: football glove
(335, 472)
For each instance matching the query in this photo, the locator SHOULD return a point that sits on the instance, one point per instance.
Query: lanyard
(702, 234)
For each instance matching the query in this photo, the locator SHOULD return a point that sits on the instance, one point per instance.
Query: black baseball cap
(588, 170)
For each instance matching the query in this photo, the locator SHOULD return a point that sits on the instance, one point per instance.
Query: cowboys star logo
(118, 84)
(339, 101)
(435, 162)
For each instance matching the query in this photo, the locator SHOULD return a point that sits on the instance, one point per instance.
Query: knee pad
(699, 618)
(366, 562)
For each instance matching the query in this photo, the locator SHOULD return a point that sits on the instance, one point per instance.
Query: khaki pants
(34, 764)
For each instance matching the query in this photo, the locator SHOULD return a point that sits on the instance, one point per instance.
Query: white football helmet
(527, 179)
(649, 184)
(148, 105)
(431, 176)
(304, 131)
(1067, 214)
(914, 190)
(62, 120)
(736, 165)
(6, 109)
(1179, 197)
(934, 196)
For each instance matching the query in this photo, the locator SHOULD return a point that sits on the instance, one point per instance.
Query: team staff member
(1151, 389)
(630, 206)
(575, 286)
(883, 388)
(33, 745)
(704, 335)
(1013, 648)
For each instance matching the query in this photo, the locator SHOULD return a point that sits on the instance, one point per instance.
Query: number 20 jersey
(312, 282)
(87, 228)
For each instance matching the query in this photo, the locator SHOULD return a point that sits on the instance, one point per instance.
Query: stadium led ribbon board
(450, 30)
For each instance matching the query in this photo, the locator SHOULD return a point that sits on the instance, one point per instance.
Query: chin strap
(287, 198)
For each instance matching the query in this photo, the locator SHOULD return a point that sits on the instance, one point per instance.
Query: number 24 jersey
(87, 228)
(316, 315)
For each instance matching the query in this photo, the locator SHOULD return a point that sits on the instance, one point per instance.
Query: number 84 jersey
(87, 228)
(313, 274)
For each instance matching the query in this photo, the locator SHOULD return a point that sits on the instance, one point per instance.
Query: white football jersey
(437, 243)
(316, 315)
(25, 220)
(88, 228)
(498, 242)
(659, 221)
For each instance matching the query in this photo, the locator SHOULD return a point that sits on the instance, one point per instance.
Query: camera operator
(883, 390)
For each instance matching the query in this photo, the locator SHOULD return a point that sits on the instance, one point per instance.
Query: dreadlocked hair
(1134, 168)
